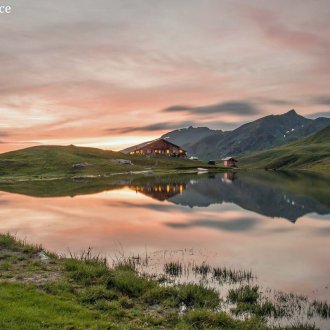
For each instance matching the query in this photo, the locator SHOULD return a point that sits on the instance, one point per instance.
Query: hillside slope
(61, 161)
(311, 153)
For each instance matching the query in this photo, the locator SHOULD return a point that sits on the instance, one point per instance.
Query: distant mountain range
(261, 134)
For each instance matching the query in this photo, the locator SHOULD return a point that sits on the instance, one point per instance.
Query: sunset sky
(110, 74)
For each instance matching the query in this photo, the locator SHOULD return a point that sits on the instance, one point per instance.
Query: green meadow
(54, 162)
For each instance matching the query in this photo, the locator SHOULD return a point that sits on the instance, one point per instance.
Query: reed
(173, 268)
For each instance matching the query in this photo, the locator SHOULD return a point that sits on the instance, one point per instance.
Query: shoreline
(34, 178)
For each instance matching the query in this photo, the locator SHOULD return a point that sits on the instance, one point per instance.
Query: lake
(276, 224)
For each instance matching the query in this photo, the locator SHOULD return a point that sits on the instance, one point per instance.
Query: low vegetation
(40, 290)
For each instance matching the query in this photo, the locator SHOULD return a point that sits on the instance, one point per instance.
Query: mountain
(311, 153)
(261, 134)
(186, 137)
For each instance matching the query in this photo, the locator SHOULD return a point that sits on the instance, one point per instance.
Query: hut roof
(142, 145)
(228, 158)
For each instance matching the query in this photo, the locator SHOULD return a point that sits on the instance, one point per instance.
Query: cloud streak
(149, 128)
(242, 108)
(322, 100)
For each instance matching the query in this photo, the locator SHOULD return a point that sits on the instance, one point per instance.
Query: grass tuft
(173, 269)
(321, 308)
(203, 269)
(128, 282)
(245, 294)
(227, 275)
(89, 272)
(197, 296)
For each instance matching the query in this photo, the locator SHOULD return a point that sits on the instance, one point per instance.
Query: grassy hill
(311, 153)
(68, 161)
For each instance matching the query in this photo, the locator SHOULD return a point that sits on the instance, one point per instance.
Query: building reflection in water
(164, 191)
(229, 177)
(160, 191)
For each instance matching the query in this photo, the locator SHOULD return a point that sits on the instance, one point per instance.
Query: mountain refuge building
(230, 162)
(159, 147)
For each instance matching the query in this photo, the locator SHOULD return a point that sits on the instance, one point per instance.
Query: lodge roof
(143, 145)
(229, 158)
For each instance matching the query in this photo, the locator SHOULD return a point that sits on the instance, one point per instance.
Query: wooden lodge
(230, 162)
(159, 147)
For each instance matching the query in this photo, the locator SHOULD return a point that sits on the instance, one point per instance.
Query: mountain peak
(292, 112)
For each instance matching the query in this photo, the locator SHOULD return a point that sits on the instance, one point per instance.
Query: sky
(112, 73)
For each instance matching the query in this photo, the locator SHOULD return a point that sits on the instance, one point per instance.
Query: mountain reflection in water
(271, 194)
(288, 195)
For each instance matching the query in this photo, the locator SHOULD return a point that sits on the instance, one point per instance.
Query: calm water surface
(275, 224)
